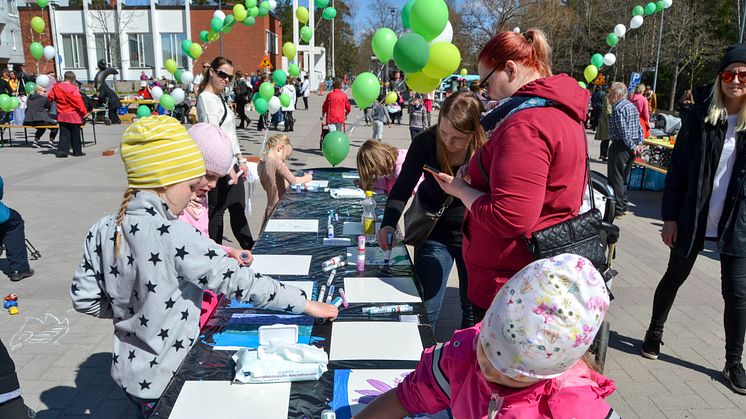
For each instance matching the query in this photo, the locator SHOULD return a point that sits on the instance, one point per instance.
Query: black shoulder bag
(579, 235)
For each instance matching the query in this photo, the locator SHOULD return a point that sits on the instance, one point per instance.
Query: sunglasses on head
(223, 75)
(729, 76)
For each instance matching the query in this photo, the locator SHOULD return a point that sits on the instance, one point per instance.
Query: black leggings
(733, 288)
(231, 198)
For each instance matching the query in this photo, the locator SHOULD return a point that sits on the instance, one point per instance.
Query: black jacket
(689, 181)
(8, 377)
(37, 109)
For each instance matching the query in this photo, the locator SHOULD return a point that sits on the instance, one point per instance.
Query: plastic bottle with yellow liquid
(369, 217)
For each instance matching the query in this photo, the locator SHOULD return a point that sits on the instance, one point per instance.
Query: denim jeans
(432, 264)
(377, 130)
(733, 289)
(12, 235)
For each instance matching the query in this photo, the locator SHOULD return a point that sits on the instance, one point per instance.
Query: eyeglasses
(485, 84)
(223, 75)
(729, 76)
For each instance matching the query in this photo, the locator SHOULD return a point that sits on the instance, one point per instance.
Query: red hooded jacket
(536, 165)
(70, 106)
(336, 107)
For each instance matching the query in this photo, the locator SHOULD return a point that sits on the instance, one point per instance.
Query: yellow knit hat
(158, 151)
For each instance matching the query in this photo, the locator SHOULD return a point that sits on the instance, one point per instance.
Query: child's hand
(321, 310)
(236, 254)
(307, 178)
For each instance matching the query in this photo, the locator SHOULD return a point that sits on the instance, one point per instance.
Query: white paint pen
(331, 277)
(387, 253)
(322, 291)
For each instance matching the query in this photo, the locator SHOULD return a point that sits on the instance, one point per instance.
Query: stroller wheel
(601, 344)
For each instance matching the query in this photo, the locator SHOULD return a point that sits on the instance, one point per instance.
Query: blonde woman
(274, 173)
(703, 200)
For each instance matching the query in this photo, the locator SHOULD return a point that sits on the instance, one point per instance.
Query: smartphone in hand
(431, 170)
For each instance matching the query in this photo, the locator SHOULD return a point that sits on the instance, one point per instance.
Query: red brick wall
(245, 45)
(45, 38)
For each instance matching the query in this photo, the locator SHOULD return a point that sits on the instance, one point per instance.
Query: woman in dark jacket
(446, 147)
(37, 113)
(704, 199)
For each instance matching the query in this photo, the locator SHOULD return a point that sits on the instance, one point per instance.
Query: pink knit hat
(215, 145)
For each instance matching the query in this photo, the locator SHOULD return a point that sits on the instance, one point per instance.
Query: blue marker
(330, 295)
(337, 301)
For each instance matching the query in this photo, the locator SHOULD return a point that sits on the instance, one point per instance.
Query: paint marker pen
(387, 254)
(338, 301)
(331, 294)
(344, 299)
(331, 277)
(400, 308)
(322, 291)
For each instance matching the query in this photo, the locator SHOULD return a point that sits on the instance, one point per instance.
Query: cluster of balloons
(191, 49)
(265, 100)
(35, 48)
(426, 54)
(612, 39)
(9, 103)
(245, 13)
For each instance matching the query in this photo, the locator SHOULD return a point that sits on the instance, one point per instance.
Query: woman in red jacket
(70, 113)
(531, 173)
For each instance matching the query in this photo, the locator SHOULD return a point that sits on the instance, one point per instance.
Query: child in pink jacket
(525, 360)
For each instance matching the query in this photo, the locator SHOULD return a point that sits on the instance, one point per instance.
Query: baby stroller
(604, 200)
(325, 130)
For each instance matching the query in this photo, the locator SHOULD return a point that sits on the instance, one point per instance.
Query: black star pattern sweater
(153, 289)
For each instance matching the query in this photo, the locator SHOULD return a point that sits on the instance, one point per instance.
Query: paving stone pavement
(63, 357)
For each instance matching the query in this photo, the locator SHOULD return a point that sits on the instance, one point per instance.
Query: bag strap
(587, 170)
(225, 110)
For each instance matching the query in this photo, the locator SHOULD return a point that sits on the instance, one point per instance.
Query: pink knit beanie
(215, 145)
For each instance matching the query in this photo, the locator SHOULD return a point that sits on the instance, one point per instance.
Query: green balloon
(167, 102)
(582, 84)
(229, 21)
(255, 97)
(294, 70)
(250, 4)
(329, 13)
(14, 102)
(263, 11)
(650, 8)
(638, 11)
(285, 100)
(227, 29)
(590, 73)
(37, 24)
(444, 59)
(5, 102)
(365, 89)
(421, 83)
(249, 21)
(216, 24)
(185, 45)
(306, 33)
(30, 87)
(428, 18)
(143, 111)
(335, 147)
(254, 12)
(659, 6)
(177, 75)
(280, 77)
(203, 35)
(405, 11)
(261, 105)
(598, 59)
(611, 40)
(320, 4)
(266, 90)
(36, 50)
(42, 3)
(411, 52)
(383, 44)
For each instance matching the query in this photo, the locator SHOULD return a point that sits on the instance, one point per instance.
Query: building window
(141, 50)
(107, 49)
(171, 48)
(74, 50)
(12, 7)
(13, 40)
(3, 35)
(271, 46)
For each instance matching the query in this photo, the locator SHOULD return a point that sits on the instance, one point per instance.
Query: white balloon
(609, 59)
(272, 4)
(178, 95)
(42, 80)
(49, 52)
(620, 30)
(636, 22)
(517, 29)
(445, 36)
(274, 105)
(187, 78)
(156, 92)
(667, 3)
(220, 14)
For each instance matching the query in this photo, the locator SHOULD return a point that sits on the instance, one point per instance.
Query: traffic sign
(265, 62)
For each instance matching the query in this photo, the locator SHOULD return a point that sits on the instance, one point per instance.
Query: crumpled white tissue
(280, 363)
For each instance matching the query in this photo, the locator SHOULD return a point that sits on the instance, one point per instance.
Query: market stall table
(307, 398)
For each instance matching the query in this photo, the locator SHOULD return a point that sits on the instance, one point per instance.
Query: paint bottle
(360, 263)
(329, 227)
(361, 243)
(328, 414)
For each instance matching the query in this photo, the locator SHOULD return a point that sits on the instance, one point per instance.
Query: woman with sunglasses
(531, 174)
(704, 200)
(213, 108)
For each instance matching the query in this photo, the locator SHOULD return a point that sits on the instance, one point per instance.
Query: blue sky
(363, 10)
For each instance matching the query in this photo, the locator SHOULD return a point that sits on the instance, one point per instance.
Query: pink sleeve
(420, 392)
(518, 178)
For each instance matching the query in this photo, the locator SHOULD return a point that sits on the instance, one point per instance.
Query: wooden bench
(10, 127)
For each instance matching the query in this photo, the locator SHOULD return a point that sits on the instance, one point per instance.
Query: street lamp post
(743, 23)
(658, 55)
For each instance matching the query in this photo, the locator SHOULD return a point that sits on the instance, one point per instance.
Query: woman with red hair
(531, 174)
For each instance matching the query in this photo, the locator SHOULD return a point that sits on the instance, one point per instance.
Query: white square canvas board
(225, 400)
(375, 340)
(381, 290)
(282, 264)
(285, 225)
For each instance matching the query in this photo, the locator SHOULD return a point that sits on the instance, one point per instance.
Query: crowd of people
(506, 158)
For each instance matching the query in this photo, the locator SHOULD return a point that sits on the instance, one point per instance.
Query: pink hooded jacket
(448, 376)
